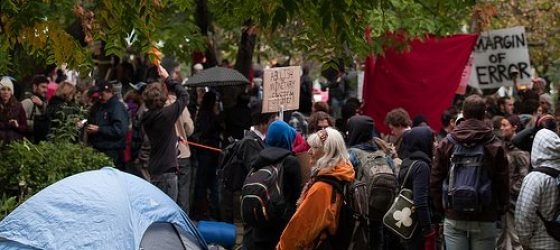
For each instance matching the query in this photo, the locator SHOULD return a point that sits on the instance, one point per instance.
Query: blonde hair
(65, 91)
(333, 148)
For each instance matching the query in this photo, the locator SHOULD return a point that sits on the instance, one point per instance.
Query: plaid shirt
(539, 192)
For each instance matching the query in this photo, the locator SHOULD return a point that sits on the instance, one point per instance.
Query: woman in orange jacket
(317, 216)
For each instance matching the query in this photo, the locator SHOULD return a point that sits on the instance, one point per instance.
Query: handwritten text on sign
(498, 53)
(281, 89)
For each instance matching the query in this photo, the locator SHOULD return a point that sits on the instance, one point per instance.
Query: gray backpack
(377, 172)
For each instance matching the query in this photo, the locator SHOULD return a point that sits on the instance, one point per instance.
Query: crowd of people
(484, 181)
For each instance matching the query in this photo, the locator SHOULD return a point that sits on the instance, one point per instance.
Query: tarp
(101, 209)
(423, 80)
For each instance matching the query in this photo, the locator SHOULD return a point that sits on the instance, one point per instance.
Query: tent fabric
(101, 209)
(422, 80)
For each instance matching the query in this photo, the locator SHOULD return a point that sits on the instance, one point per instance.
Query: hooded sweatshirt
(360, 130)
(539, 193)
(281, 135)
(469, 133)
(316, 213)
(279, 139)
(417, 148)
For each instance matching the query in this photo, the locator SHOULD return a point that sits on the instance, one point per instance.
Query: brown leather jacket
(473, 132)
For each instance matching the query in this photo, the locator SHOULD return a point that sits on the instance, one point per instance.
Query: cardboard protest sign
(281, 89)
(497, 54)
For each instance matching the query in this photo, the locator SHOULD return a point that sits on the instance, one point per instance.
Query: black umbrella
(217, 76)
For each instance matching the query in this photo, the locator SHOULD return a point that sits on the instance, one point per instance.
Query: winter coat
(417, 146)
(539, 193)
(9, 133)
(267, 237)
(250, 148)
(519, 164)
(473, 131)
(32, 110)
(112, 119)
(316, 216)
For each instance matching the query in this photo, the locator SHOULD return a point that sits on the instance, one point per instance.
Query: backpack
(376, 171)
(553, 226)
(468, 187)
(353, 223)
(262, 198)
(232, 167)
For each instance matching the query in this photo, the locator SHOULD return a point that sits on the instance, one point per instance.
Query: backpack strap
(407, 174)
(548, 171)
(335, 183)
(552, 173)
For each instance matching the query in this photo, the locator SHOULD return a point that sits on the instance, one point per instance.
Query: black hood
(360, 130)
(417, 139)
(271, 155)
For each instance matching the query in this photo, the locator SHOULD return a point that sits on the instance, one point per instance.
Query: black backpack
(262, 196)
(232, 167)
(353, 224)
(468, 187)
(553, 226)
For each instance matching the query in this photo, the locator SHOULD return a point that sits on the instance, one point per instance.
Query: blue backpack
(468, 187)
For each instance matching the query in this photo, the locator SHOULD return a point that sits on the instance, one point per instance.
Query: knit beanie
(7, 82)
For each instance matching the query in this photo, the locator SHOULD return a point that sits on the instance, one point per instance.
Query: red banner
(422, 80)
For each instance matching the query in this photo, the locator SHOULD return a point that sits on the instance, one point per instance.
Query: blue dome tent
(101, 209)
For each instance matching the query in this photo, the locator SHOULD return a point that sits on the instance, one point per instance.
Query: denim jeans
(185, 186)
(167, 183)
(469, 235)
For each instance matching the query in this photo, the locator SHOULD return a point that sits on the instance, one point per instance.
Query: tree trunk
(243, 63)
(204, 23)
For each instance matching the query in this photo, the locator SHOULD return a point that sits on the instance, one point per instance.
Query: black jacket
(112, 119)
(159, 125)
(291, 186)
(417, 147)
(250, 148)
